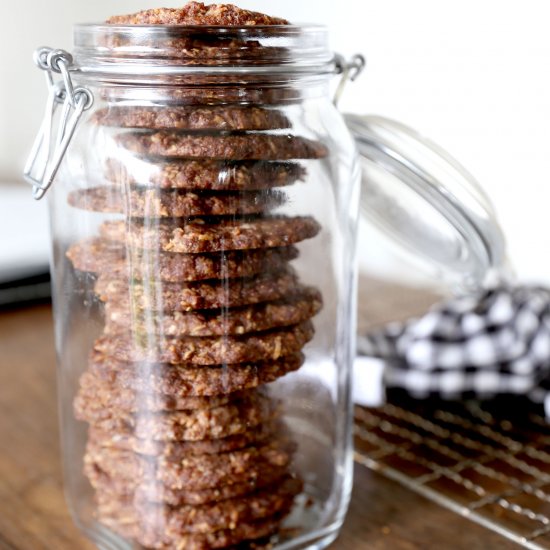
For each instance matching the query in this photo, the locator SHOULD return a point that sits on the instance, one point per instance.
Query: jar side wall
(145, 276)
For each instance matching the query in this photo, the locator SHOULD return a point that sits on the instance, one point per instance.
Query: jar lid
(425, 201)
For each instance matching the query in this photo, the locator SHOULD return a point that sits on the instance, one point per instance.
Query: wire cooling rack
(488, 463)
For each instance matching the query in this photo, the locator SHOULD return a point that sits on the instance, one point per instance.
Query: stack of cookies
(186, 447)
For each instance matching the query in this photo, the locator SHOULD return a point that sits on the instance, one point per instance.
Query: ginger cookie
(204, 235)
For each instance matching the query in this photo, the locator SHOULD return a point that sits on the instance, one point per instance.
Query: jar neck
(268, 57)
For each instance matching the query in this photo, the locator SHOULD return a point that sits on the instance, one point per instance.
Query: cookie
(238, 467)
(197, 13)
(204, 235)
(193, 473)
(98, 255)
(196, 44)
(168, 144)
(229, 513)
(207, 350)
(212, 517)
(180, 450)
(187, 296)
(188, 380)
(101, 397)
(206, 175)
(228, 117)
(175, 203)
(298, 306)
(150, 491)
(233, 418)
(121, 517)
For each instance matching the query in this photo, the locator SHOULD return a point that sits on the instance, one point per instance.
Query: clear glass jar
(204, 220)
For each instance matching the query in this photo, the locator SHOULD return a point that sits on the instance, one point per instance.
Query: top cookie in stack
(203, 311)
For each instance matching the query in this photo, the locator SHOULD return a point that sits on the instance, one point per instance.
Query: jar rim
(153, 50)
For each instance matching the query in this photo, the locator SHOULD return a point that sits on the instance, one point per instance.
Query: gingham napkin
(492, 343)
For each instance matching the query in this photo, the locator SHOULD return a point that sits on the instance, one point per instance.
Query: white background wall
(473, 75)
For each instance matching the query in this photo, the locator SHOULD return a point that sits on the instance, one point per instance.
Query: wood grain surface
(33, 513)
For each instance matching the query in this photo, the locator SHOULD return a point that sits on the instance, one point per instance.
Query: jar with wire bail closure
(204, 213)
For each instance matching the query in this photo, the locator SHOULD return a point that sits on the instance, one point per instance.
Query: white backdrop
(472, 75)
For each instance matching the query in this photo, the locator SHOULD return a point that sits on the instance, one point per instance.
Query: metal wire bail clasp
(47, 153)
(349, 70)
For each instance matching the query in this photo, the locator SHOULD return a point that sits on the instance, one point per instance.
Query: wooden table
(33, 514)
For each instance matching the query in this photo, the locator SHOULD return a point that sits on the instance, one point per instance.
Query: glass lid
(424, 200)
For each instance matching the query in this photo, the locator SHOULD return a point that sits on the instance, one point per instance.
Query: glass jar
(203, 216)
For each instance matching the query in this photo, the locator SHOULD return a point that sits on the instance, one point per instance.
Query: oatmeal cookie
(175, 203)
(258, 146)
(228, 514)
(227, 117)
(98, 255)
(175, 451)
(204, 235)
(212, 517)
(207, 350)
(187, 296)
(192, 473)
(236, 417)
(174, 381)
(300, 305)
(198, 13)
(151, 491)
(121, 517)
(101, 397)
(206, 175)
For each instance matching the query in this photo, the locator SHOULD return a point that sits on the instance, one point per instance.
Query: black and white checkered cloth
(493, 343)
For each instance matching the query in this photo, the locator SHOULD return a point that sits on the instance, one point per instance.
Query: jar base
(105, 539)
